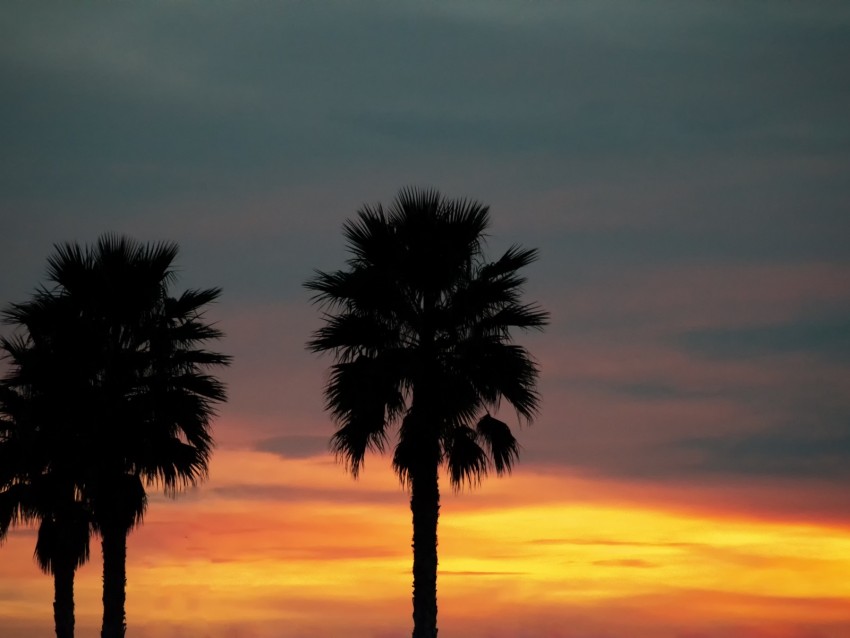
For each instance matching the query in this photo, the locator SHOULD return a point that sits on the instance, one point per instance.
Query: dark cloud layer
(170, 97)
(800, 450)
(824, 338)
(645, 148)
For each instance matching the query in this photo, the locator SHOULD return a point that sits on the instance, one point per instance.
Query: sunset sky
(683, 168)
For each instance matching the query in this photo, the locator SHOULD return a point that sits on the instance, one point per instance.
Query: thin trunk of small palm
(114, 582)
(63, 602)
(425, 507)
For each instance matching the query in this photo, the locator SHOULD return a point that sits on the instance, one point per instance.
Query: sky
(683, 169)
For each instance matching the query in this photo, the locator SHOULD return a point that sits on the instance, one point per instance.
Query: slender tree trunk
(63, 600)
(425, 506)
(114, 582)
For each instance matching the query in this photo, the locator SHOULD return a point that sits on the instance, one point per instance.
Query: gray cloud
(656, 391)
(823, 337)
(143, 101)
(615, 136)
(801, 450)
(295, 446)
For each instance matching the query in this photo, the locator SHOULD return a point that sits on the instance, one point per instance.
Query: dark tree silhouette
(419, 324)
(63, 538)
(143, 404)
(37, 457)
(63, 531)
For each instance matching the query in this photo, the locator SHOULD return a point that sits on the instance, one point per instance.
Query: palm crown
(121, 359)
(420, 326)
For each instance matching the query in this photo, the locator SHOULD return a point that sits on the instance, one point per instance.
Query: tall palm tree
(143, 409)
(37, 451)
(419, 324)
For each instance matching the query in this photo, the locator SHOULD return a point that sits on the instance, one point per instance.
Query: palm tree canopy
(419, 323)
(110, 369)
(36, 481)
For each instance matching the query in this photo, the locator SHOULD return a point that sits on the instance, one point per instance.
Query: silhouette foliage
(119, 398)
(419, 324)
(38, 480)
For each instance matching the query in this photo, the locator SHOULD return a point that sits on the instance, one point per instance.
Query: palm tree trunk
(425, 506)
(114, 582)
(63, 598)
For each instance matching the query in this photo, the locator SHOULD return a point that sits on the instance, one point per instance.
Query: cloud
(145, 101)
(294, 446)
(794, 451)
(822, 337)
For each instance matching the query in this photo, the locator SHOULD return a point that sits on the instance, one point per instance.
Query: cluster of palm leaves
(106, 395)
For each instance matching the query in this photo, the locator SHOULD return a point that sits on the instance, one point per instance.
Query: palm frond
(362, 395)
(364, 290)
(466, 459)
(17, 507)
(349, 335)
(524, 316)
(500, 442)
(369, 238)
(514, 258)
(352, 440)
(63, 538)
(191, 302)
(500, 370)
(175, 464)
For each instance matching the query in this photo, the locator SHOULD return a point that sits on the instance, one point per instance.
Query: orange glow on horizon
(272, 543)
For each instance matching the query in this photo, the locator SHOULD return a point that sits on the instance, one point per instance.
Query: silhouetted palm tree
(419, 324)
(143, 409)
(63, 537)
(37, 456)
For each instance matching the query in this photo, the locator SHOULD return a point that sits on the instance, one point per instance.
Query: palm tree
(63, 536)
(419, 324)
(63, 533)
(142, 412)
(37, 453)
